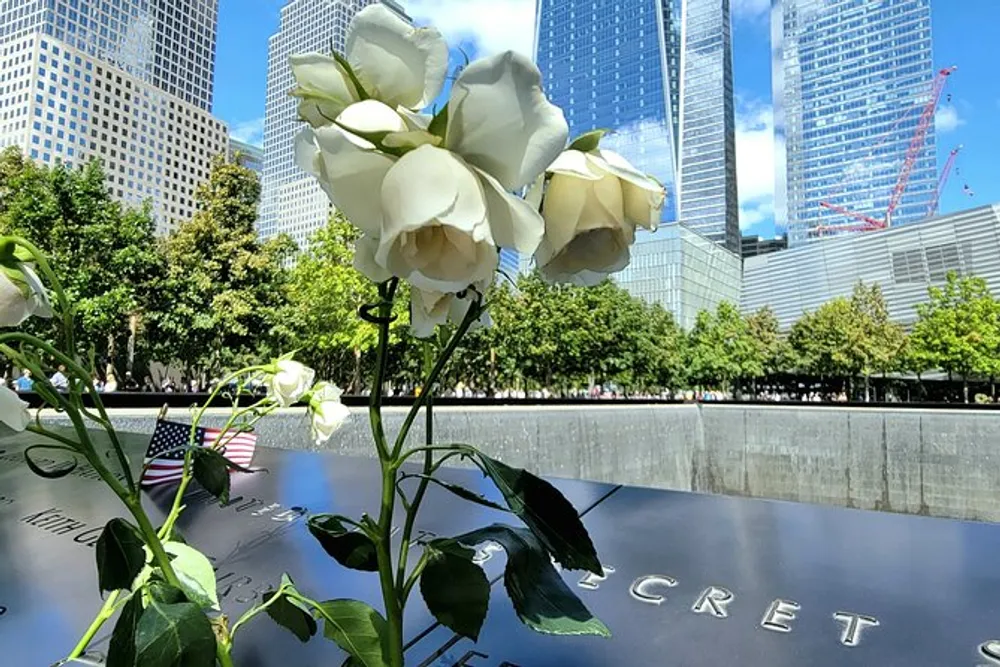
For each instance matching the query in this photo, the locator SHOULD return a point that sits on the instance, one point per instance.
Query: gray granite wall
(933, 462)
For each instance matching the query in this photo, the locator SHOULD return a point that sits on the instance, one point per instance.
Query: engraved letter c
(640, 588)
(991, 651)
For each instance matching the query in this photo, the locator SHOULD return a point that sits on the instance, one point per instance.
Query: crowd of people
(109, 384)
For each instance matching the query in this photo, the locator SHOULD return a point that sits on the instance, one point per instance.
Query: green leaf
(439, 124)
(541, 598)
(164, 592)
(210, 469)
(291, 615)
(120, 555)
(546, 512)
(174, 635)
(464, 493)
(350, 548)
(195, 573)
(121, 649)
(56, 473)
(455, 589)
(588, 141)
(357, 629)
(342, 61)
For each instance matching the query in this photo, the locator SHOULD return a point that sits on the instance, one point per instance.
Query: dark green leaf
(164, 592)
(210, 469)
(291, 615)
(455, 589)
(357, 629)
(464, 493)
(342, 61)
(54, 473)
(350, 548)
(588, 141)
(121, 649)
(174, 635)
(120, 556)
(547, 513)
(541, 598)
(439, 124)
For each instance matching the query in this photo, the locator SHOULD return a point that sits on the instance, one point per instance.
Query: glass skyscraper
(618, 64)
(850, 79)
(292, 200)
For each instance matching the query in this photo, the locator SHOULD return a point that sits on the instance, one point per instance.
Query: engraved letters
(642, 587)
(778, 614)
(853, 625)
(592, 582)
(991, 651)
(713, 600)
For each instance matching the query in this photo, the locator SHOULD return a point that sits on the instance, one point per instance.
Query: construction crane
(868, 223)
(933, 208)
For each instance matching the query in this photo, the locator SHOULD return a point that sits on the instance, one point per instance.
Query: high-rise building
(293, 202)
(658, 74)
(246, 155)
(169, 43)
(78, 80)
(850, 78)
(708, 200)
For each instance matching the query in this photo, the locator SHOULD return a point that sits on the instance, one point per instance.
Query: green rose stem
(395, 585)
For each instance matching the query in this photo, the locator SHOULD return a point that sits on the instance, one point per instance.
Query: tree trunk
(867, 388)
(356, 382)
(965, 388)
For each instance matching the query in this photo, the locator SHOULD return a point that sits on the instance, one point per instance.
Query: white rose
(327, 413)
(428, 309)
(13, 411)
(394, 62)
(438, 213)
(290, 381)
(21, 295)
(592, 206)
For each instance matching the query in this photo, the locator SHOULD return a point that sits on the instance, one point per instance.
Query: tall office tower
(709, 202)
(169, 43)
(850, 78)
(79, 80)
(618, 64)
(292, 201)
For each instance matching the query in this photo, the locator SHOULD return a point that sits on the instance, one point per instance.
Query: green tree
(720, 348)
(880, 341)
(958, 329)
(769, 348)
(824, 341)
(325, 293)
(104, 254)
(224, 291)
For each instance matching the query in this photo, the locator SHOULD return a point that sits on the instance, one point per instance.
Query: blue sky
(964, 35)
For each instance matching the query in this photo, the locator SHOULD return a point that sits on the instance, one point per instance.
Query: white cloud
(751, 9)
(947, 119)
(249, 131)
(494, 25)
(755, 162)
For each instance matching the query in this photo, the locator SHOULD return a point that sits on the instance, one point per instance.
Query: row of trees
(212, 295)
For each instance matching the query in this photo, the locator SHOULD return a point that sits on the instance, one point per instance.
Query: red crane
(933, 208)
(868, 223)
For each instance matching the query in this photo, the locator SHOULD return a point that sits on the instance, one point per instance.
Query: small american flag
(164, 466)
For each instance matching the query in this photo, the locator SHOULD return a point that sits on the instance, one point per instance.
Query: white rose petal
(395, 62)
(364, 259)
(514, 222)
(579, 164)
(323, 88)
(351, 175)
(13, 411)
(500, 120)
(435, 230)
(371, 116)
(326, 411)
(428, 309)
(22, 295)
(644, 197)
(290, 382)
